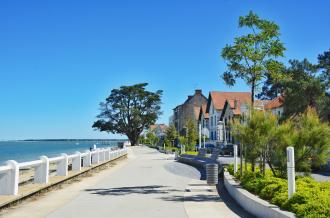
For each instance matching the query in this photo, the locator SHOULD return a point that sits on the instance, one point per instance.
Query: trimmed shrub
(312, 198)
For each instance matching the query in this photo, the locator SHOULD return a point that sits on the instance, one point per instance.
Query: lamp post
(223, 124)
(205, 133)
(200, 135)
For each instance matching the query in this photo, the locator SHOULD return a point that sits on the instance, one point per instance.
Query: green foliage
(267, 140)
(310, 138)
(152, 139)
(310, 200)
(129, 110)
(183, 140)
(256, 134)
(171, 134)
(252, 57)
(192, 135)
(305, 85)
(302, 89)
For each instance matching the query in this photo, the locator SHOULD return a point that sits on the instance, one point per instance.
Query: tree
(152, 138)
(253, 56)
(310, 138)
(192, 134)
(256, 134)
(324, 65)
(302, 89)
(171, 134)
(129, 110)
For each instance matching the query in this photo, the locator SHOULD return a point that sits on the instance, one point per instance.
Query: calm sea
(31, 150)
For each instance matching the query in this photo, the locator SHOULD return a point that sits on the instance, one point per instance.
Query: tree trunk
(252, 93)
(245, 163)
(241, 159)
(271, 167)
(253, 165)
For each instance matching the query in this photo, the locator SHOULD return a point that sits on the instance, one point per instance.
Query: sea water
(22, 151)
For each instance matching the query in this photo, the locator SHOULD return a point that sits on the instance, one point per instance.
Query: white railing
(9, 174)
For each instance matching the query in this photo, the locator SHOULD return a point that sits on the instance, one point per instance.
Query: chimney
(198, 91)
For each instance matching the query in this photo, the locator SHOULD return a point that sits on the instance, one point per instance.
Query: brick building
(188, 110)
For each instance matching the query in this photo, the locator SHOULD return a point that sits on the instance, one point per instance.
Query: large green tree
(303, 88)
(129, 110)
(324, 65)
(253, 56)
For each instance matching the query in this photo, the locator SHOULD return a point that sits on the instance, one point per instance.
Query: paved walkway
(148, 184)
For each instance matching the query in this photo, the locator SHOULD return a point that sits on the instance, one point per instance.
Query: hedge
(311, 199)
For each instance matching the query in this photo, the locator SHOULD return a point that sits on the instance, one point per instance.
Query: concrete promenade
(147, 184)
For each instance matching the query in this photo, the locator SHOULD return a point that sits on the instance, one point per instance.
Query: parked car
(228, 149)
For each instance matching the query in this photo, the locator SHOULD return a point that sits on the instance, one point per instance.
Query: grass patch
(191, 152)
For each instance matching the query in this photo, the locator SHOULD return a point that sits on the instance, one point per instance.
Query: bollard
(291, 171)
(87, 159)
(212, 174)
(42, 171)
(76, 162)
(9, 179)
(62, 166)
(235, 158)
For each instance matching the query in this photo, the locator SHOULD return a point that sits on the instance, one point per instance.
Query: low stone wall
(251, 203)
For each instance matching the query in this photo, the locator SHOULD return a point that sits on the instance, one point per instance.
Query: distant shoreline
(54, 140)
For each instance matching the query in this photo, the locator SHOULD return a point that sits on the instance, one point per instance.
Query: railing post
(41, 174)
(95, 157)
(87, 159)
(103, 155)
(235, 158)
(76, 162)
(107, 154)
(62, 166)
(9, 179)
(291, 171)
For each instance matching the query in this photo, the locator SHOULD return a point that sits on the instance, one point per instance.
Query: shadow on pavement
(150, 189)
(194, 198)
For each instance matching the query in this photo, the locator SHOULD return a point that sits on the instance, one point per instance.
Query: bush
(312, 198)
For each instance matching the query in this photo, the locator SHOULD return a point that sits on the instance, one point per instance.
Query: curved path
(147, 184)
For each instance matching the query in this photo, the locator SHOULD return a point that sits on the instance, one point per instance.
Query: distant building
(188, 110)
(158, 129)
(223, 106)
(203, 117)
(276, 106)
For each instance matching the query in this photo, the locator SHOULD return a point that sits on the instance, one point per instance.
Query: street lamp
(223, 125)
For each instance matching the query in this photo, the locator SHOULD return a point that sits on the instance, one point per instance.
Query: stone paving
(147, 184)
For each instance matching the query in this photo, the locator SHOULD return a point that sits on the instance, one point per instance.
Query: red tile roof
(163, 127)
(275, 103)
(219, 98)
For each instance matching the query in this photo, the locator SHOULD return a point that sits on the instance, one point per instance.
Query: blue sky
(59, 59)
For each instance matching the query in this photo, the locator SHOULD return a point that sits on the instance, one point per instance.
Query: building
(189, 110)
(203, 117)
(237, 104)
(158, 129)
(276, 106)
(236, 109)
